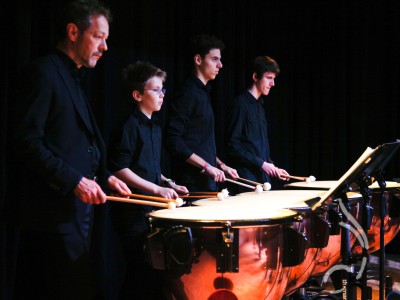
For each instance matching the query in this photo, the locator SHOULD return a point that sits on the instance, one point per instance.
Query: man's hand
(89, 192)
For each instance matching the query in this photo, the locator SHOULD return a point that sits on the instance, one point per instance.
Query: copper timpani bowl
(227, 249)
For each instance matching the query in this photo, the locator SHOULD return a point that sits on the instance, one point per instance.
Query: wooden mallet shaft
(202, 193)
(198, 196)
(152, 198)
(301, 178)
(239, 183)
(135, 201)
(249, 181)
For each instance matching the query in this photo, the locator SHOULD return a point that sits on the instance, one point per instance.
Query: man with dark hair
(190, 131)
(63, 162)
(135, 158)
(80, 13)
(247, 137)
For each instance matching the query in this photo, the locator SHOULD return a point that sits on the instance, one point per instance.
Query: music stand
(370, 163)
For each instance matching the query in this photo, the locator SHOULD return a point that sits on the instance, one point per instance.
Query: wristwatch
(168, 180)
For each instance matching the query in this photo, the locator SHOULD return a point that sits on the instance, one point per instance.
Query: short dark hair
(135, 76)
(203, 43)
(80, 12)
(262, 64)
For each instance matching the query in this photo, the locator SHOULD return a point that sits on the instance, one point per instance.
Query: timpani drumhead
(203, 216)
(389, 185)
(327, 184)
(315, 185)
(267, 200)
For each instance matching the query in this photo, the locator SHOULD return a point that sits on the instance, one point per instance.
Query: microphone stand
(383, 214)
(348, 279)
(366, 291)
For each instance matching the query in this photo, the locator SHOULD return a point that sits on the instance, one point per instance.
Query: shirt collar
(200, 84)
(254, 100)
(71, 65)
(143, 118)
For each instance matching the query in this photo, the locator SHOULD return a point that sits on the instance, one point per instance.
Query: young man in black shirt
(190, 132)
(247, 142)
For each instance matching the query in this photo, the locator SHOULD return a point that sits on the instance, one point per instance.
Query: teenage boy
(190, 131)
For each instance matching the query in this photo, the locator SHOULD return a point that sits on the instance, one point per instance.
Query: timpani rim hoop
(177, 217)
(327, 184)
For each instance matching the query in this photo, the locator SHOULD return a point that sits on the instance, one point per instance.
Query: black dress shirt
(191, 130)
(247, 137)
(135, 145)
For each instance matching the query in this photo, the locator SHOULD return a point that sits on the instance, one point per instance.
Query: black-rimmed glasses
(157, 91)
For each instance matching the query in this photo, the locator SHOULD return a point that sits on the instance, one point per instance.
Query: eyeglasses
(157, 91)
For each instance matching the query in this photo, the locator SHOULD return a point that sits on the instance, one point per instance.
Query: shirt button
(90, 149)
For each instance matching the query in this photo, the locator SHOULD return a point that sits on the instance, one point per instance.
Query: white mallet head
(259, 189)
(171, 205)
(178, 202)
(266, 186)
(312, 178)
(308, 179)
(225, 192)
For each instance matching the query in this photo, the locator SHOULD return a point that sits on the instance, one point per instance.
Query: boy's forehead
(154, 80)
(269, 74)
(214, 53)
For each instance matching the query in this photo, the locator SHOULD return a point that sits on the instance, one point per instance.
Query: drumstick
(170, 205)
(154, 198)
(197, 196)
(243, 184)
(249, 181)
(177, 201)
(266, 186)
(301, 178)
(209, 194)
(203, 193)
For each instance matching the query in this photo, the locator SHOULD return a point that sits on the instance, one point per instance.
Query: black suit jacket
(55, 140)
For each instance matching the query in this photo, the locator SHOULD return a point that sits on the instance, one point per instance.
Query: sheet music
(362, 160)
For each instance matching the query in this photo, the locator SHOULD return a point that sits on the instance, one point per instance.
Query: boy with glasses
(135, 154)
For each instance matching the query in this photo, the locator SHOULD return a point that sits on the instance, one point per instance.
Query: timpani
(314, 225)
(391, 221)
(230, 252)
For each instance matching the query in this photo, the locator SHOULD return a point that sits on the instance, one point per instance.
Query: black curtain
(337, 94)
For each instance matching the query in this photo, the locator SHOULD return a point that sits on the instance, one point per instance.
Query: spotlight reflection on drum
(223, 295)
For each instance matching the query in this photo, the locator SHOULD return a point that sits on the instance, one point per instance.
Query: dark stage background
(337, 94)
